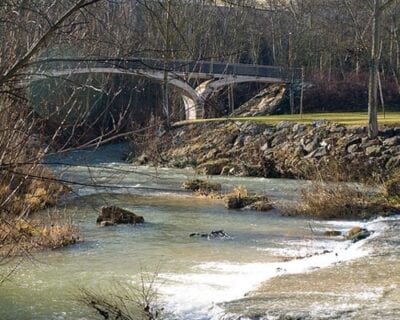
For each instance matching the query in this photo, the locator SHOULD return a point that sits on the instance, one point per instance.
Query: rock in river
(219, 234)
(115, 215)
(252, 202)
(106, 223)
(356, 234)
(201, 185)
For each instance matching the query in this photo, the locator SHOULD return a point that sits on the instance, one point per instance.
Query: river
(291, 266)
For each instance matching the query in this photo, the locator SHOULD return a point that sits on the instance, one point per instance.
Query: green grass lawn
(346, 118)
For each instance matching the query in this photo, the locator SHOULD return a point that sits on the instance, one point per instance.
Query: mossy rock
(235, 201)
(201, 185)
(116, 215)
(238, 202)
(353, 231)
(357, 233)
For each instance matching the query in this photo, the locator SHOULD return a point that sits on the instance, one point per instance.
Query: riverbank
(365, 288)
(285, 150)
(25, 192)
(343, 118)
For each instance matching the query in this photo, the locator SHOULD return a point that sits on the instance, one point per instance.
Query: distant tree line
(331, 39)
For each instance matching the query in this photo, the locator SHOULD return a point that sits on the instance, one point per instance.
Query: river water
(200, 278)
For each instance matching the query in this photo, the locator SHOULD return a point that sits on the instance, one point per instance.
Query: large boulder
(114, 215)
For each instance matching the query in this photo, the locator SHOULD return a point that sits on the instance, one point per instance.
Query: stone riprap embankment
(291, 150)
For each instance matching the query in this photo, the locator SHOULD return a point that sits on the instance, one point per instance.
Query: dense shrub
(349, 92)
(338, 201)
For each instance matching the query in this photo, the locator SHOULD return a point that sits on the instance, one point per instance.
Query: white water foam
(195, 295)
(302, 249)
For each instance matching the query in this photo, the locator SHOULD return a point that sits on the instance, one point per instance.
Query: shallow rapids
(197, 278)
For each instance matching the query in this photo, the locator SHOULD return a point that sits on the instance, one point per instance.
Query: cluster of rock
(354, 234)
(239, 198)
(286, 149)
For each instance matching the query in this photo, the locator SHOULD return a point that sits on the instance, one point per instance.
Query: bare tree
(43, 41)
(379, 8)
(26, 186)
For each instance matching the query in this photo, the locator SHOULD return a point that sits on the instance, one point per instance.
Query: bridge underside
(194, 99)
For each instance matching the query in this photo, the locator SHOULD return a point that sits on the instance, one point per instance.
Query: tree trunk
(373, 72)
(165, 94)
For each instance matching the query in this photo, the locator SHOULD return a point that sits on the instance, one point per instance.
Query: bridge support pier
(194, 108)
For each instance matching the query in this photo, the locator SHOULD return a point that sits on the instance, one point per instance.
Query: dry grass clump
(57, 235)
(240, 192)
(333, 169)
(28, 189)
(20, 235)
(338, 201)
(392, 186)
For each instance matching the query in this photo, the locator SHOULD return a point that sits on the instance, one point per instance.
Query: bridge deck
(204, 68)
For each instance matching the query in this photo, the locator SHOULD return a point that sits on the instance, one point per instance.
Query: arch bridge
(214, 75)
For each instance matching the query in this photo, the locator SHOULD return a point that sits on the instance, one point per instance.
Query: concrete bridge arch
(215, 75)
(191, 98)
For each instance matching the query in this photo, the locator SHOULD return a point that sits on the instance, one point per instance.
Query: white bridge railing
(210, 68)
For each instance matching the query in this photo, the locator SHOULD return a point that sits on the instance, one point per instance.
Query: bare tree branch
(40, 43)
